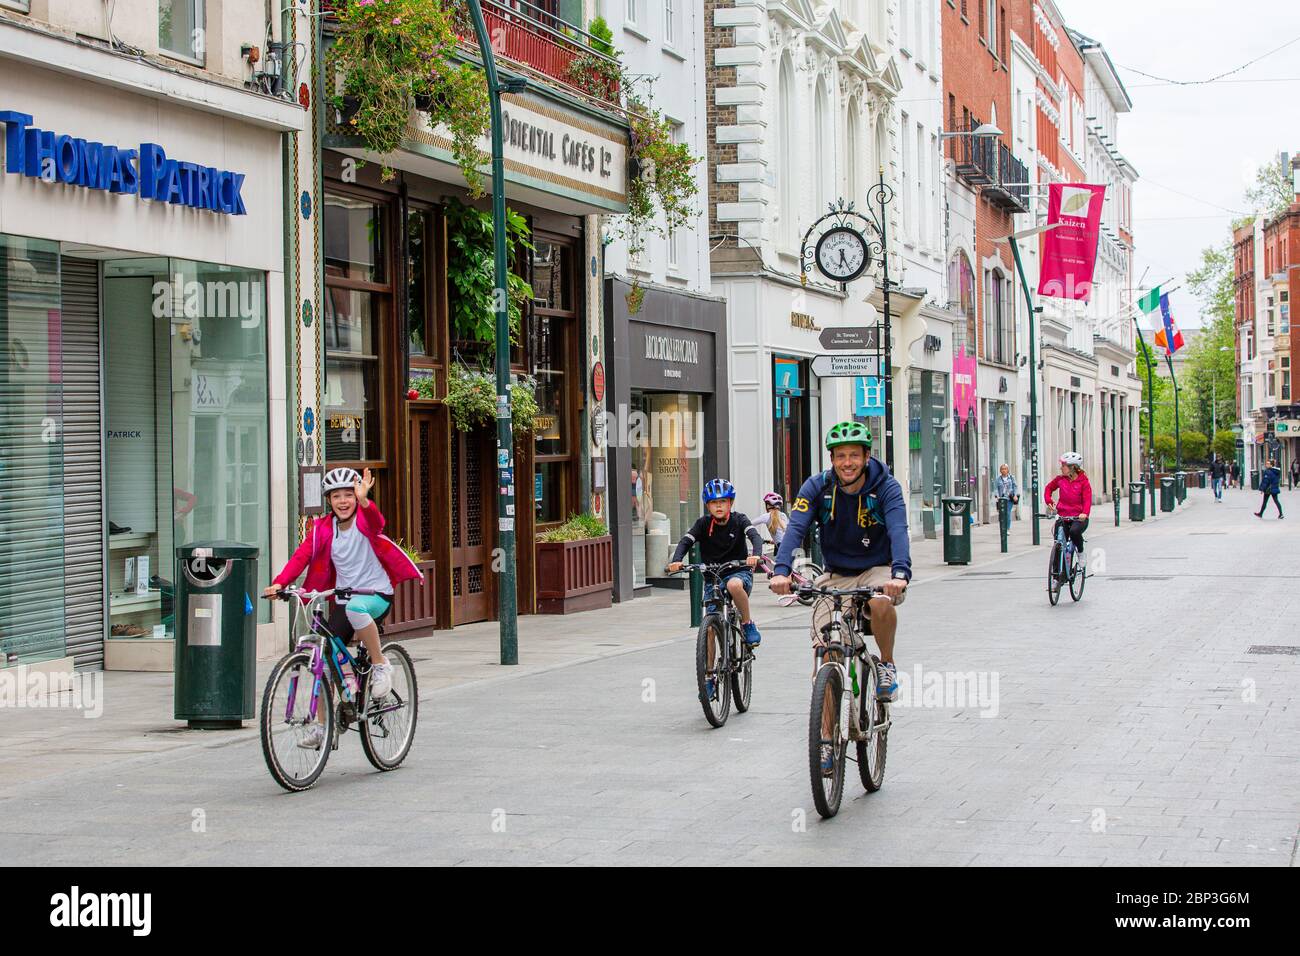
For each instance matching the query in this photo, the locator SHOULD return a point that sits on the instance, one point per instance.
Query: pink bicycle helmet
(773, 500)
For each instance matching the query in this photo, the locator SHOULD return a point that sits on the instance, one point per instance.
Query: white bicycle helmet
(1072, 458)
(339, 478)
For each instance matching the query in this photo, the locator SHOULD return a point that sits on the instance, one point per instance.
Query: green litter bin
(1254, 481)
(1167, 493)
(956, 530)
(1137, 501)
(1180, 485)
(216, 634)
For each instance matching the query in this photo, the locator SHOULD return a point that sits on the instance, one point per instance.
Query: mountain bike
(846, 669)
(320, 681)
(724, 663)
(804, 573)
(1064, 566)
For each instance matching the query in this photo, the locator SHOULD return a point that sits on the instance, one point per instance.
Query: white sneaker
(312, 737)
(381, 680)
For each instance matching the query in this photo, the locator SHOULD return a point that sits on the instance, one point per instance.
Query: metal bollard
(1004, 520)
(1114, 495)
(697, 590)
(817, 546)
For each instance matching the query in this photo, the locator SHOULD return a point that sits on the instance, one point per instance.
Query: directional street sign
(852, 338)
(845, 366)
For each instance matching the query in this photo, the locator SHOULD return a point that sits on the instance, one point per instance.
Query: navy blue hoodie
(878, 514)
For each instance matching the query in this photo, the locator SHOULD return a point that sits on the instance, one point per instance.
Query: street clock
(842, 254)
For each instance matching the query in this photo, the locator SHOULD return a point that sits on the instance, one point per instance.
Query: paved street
(1137, 727)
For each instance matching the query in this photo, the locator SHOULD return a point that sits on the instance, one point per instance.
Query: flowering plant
(392, 56)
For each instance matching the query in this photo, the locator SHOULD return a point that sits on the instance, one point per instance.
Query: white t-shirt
(355, 562)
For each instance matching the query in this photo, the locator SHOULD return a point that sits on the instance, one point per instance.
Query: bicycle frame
(857, 650)
(309, 611)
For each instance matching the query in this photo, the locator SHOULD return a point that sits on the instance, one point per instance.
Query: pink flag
(1070, 250)
(964, 370)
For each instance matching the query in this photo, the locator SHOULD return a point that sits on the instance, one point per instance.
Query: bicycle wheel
(827, 705)
(811, 572)
(388, 727)
(872, 713)
(1078, 574)
(716, 703)
(742, 676)
(1053, 578)
(286, 715)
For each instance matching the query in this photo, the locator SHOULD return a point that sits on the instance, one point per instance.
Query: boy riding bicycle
(721, 534)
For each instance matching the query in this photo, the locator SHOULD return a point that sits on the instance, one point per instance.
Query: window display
(666, 435)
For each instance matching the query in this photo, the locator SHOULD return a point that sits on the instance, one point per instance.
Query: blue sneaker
(752, 637)
(888, 688)
(828, 760)
(710, 688)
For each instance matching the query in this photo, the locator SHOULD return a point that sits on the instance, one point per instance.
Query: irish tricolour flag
(1168, 337)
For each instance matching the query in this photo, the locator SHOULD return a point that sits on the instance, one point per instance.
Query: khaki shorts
(872, 577)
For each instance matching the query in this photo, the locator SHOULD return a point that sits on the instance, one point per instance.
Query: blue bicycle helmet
(718, 488)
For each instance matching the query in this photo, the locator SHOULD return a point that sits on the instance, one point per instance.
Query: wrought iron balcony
(535, 40)
(984, 161)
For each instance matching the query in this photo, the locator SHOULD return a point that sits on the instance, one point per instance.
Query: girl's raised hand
(362, 487)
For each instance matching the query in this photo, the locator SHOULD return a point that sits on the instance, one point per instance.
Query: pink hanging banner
(1070, 250)
(964, 371)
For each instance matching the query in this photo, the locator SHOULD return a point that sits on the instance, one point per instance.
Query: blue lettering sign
(146, 172)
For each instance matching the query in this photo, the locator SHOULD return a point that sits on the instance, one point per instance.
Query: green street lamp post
(507, 598)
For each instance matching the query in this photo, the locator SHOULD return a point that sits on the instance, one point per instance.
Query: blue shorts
(746, 576)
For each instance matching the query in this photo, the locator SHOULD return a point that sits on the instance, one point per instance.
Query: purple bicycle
(320, 683)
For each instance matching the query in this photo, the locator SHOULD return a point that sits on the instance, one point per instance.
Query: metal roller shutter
(83, 509)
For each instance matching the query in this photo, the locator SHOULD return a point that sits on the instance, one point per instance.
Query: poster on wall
(1069, 251)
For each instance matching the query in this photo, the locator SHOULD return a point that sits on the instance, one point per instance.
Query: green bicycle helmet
(849, 433)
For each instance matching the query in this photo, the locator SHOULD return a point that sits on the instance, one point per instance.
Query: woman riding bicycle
(1074, 502)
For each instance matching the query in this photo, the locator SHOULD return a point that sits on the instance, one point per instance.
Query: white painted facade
(817, 94)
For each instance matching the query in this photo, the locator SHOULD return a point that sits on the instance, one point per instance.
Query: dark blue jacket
(1270, 480)
(878, 514)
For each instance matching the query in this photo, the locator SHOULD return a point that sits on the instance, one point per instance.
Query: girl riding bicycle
(1075, 501)
(774, 519)
(348, 549)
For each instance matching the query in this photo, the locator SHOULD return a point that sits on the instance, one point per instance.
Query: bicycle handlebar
(714, 569)
(865, 590)
(284, 594)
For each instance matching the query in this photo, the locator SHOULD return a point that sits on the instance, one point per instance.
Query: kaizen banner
(1070, 250)
(964, 371)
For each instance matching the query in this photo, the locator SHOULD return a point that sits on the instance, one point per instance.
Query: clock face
(842, 254)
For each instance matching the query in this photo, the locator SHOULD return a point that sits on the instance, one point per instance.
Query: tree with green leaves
(1273, 191)
(1209, 377)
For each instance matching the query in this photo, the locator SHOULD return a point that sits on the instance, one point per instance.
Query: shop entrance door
(472, 540)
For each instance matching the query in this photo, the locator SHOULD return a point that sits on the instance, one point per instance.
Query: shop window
(353, 240)
(22, 6)
(182, 29)
(791, 460)
(351, 376)
(419, 322)
(359, 343)
(187, 425)
(552, 328)
(549, 373)
(666, 432)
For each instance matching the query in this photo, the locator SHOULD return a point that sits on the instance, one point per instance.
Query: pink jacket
(315, 553)
(1076, 495)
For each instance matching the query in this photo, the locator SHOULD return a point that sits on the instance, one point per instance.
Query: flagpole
(1151, 417)
(1178, 439)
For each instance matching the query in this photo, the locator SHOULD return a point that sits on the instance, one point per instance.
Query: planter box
(574, 575)
(414, 606)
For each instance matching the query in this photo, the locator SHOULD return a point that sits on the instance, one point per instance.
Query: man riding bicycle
(1074, 503)
(860, 509)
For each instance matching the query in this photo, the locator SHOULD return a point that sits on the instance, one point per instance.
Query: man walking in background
(1218, 471)
(1269, 483)
(1236, 474)
(1295, 471)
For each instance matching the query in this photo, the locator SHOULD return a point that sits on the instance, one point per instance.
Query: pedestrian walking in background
(1236, 474)
(1269, 483)
(1218, 471)
(1295, 471)
(1005, 487)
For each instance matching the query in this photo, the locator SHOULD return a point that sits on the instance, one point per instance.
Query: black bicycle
(724, 663)
(1064, 566)
(845, 667)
